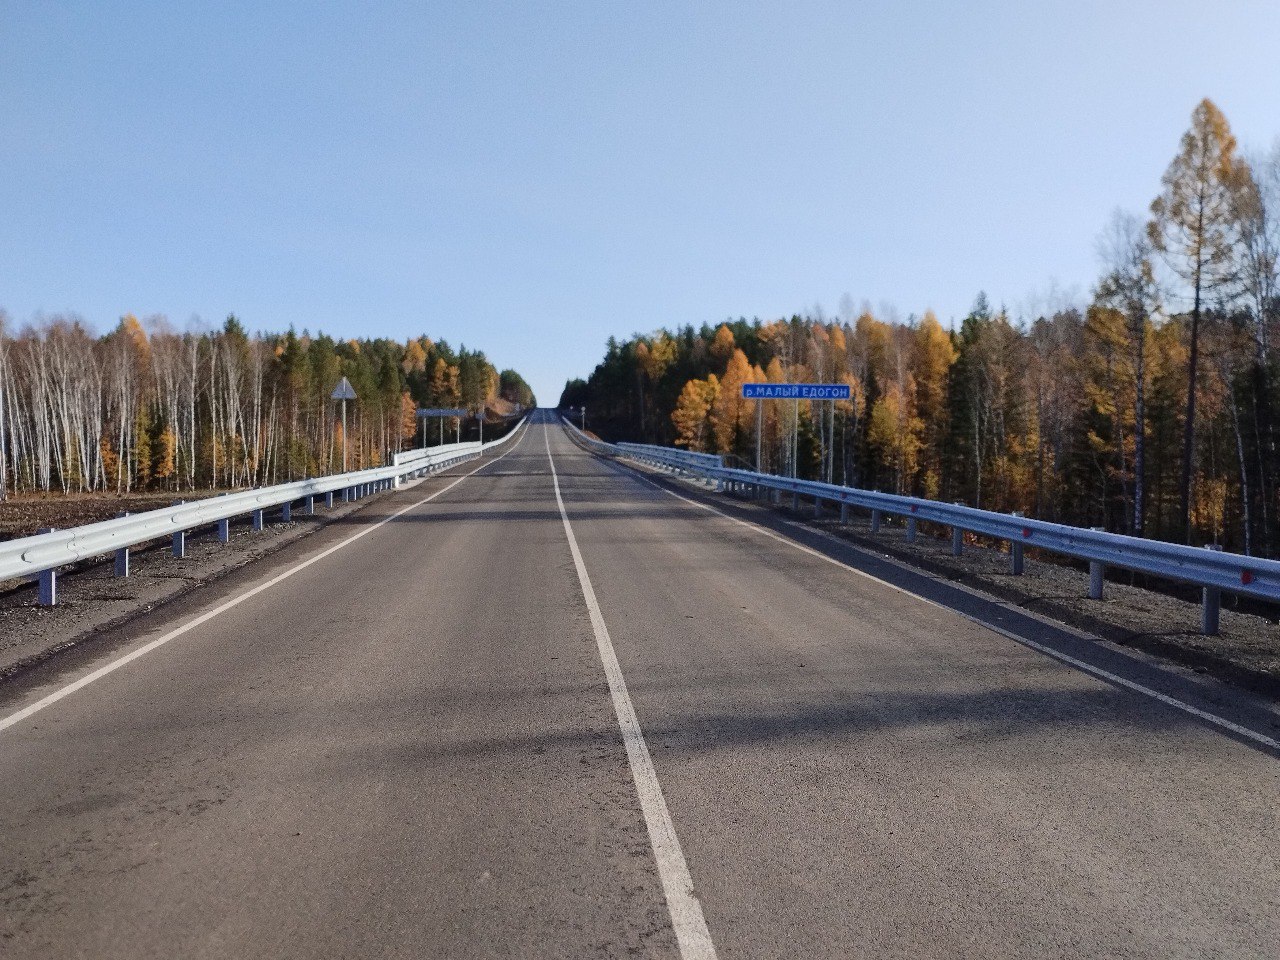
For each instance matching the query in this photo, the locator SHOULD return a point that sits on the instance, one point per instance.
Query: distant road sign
(795, 391)
(343, 391)
(443, 412)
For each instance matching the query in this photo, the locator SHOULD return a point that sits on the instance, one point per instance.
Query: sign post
(759, 434)
(344, 392)
(443, 413)
(795, 392)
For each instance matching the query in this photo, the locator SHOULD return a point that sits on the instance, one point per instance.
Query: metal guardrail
(674, 455)
(42, 554)
(426, 453)
(589, 443)
(1208, 568)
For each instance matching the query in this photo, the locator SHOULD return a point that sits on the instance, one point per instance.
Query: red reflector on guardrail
(1026, 531)
(1246, 577)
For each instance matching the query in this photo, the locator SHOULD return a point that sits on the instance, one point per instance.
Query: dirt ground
(24, 514)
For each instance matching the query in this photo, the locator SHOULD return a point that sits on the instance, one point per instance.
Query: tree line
(147, 407)
(1150, 410)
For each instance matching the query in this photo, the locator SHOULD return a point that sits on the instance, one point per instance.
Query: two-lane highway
(553, 709)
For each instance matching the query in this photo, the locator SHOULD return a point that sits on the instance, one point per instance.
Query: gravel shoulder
(91, 600)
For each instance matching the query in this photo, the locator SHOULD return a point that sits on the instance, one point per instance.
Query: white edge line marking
(691, 931)
(235, 601)
(1167, 700)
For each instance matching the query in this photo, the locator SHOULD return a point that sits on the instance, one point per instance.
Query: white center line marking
(235, 601)
(686, 913)
(1107, 675)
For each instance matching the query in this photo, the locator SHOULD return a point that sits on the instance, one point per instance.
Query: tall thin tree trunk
(1139, 440)
(1189, 428)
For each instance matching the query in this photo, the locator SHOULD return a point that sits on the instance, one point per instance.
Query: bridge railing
(427, 453)
(1211, 569)
(41, 555)
(672, 455)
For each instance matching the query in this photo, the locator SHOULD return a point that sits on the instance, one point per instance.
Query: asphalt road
(480, 729)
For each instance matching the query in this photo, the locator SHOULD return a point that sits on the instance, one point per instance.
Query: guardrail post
(844, 513)
(224, 530)
(346, 494)
(179, 538)
(286, 513)
(795, 501)
(911, 529)
(817, 507)
(310, 506)
(47, 581)
(328, 500)
(957, 538)
(1015, 553)
(258, 523)
(875, 521)
(1210, 604)
(122, 555)
(1097, 574)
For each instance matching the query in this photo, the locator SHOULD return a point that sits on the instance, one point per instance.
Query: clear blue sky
(530, 178)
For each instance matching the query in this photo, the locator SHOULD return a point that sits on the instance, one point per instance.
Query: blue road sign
(443, 412)
(795, 391)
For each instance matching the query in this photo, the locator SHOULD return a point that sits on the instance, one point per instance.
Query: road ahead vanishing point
(546, 705)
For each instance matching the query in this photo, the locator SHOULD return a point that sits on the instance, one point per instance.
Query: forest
(146, 407)
(1151, 409)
